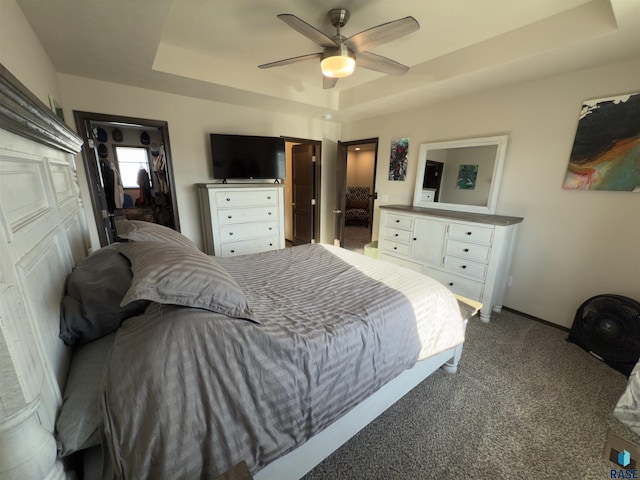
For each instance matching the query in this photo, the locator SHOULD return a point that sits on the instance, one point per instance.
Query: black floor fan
(608, 327)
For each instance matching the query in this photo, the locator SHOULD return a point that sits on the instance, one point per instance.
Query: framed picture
(606, 148)
(398, 160)
(56, 108)
(467, 177)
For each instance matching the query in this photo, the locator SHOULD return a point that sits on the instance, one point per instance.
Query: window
(130, 161)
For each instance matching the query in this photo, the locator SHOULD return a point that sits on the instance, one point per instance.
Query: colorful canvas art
(467, 176)
(606, 150)
(398, 161)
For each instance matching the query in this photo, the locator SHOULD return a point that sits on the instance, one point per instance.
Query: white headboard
(43, 234)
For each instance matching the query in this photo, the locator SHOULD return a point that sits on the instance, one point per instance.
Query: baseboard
(537, 319)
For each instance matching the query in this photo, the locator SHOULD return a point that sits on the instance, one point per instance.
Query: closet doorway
(129, 172)
(359, 194)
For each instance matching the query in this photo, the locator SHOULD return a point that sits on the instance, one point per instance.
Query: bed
(273, 359)
(223, 360)
(627, 409)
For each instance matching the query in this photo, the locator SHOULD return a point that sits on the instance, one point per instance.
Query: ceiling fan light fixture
(338, 62)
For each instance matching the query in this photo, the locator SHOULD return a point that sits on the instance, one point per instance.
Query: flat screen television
(247, 157)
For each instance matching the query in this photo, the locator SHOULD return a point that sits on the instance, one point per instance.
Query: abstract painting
(467, 176)
(606, 149)
(398, 160)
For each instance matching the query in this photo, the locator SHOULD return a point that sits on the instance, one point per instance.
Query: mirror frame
(496, 178)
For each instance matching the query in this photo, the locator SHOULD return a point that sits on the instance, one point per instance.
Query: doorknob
(337, 212)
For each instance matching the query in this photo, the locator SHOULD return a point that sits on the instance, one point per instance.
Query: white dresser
(238, 219)
(468, 252)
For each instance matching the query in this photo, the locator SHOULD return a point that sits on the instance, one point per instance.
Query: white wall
(360, 169)
(23, 55)
(572, 244)
(190, 122)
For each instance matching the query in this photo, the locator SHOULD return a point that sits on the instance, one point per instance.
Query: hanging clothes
(108, 182)
(145, 199)
(118, 189)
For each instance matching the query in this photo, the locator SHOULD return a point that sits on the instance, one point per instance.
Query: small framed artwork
(467, 176)
(398, 160)
(606, 149)
(56, 108)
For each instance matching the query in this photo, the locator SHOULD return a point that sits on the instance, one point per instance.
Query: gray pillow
(176, 275)
(91, 306)
(78, 425)
(140, 231)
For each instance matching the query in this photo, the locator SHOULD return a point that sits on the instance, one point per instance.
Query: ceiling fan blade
(311, 32)
(382, 34)
(328, 82)
(287, 61)
(379, 63)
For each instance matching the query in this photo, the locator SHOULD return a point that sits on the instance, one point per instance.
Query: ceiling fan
(339, 54)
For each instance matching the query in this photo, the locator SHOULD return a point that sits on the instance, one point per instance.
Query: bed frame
(43, 234)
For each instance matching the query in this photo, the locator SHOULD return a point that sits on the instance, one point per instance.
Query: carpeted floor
(525, 404)
(356, 237)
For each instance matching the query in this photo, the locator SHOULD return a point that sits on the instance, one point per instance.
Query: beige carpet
(356, 237)
(525, 404)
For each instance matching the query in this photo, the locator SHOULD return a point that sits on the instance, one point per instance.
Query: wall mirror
(460, 175)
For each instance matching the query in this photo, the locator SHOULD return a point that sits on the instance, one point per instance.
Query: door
(341, 187)
(106, 230)
(428, 241)
(303, 166)
(356, 167)
(433, 177)
(109, 142)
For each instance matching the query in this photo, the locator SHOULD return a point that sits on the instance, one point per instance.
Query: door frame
(341, 183)
(317, 153)
(90, 160)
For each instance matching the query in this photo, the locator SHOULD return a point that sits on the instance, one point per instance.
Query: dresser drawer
(402, 222)
(247, 215)
(246, 247)
(245, 231)
(416, 267)
(461, 286)
(471, 233)
(397, 248)
(395, 235)
(465, 267)
(246, 198)
(470, 251)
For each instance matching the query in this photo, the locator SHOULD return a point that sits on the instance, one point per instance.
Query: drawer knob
(466, 249)
(269, 213)
(463, 266)
(230, 233)
(229, 216)
(396, 235)
(228, 199)
(451, 284)
(233, 251)
(397, 221)
(270, 228)
(395, 248)
(269, 197)
(271, 244)
(469, 233)
(415, 238)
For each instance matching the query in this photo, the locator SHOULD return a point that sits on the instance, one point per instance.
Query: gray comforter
(189, 393)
